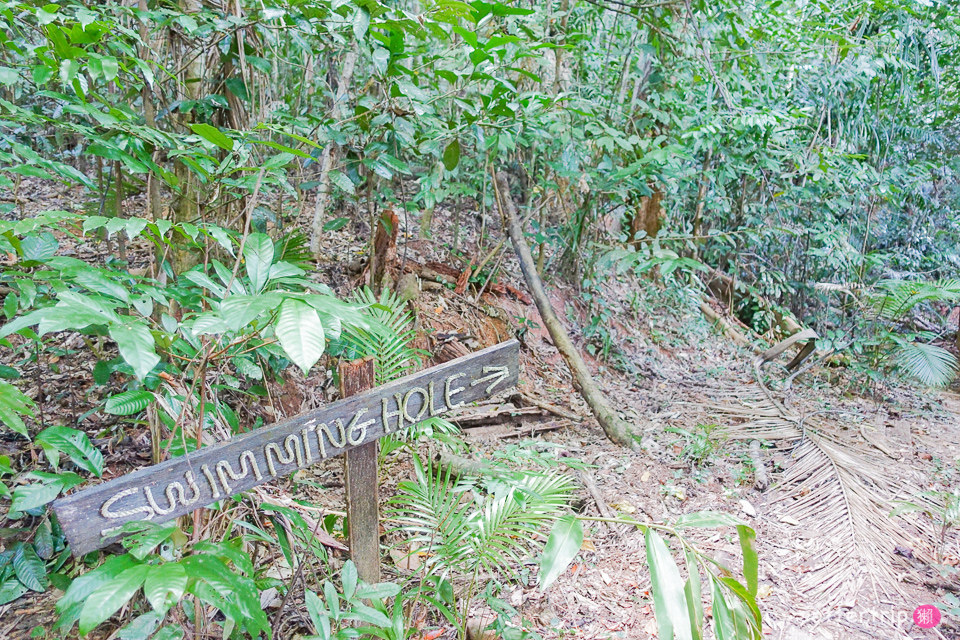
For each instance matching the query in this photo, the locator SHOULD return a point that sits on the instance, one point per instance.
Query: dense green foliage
(803, 149)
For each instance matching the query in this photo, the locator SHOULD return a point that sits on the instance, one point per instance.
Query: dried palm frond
(841, 495)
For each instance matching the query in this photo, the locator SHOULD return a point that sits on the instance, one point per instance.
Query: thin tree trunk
(329, 157)
(186, 205)
(149, 111)
(701, 201)
(616, 429)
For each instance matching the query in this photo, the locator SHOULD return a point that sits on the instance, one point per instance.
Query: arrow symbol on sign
(497, 375)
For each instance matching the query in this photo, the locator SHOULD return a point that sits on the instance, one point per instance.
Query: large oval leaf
(29, 568)
(300, 333)
(128, 402)
(59, 439)
(564, 542)
(109, 597)
(136, 346)
(258, 255)
(165, 585)
(669, 601)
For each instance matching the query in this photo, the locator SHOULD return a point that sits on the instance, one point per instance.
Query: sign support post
(360, 481)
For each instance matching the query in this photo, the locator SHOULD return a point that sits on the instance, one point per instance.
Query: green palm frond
(894, 299)
(389, 343)
(929, 364)
(463, 528)
(293, 247)
(435, 512)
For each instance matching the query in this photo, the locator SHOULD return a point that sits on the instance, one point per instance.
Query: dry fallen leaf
(651, 627)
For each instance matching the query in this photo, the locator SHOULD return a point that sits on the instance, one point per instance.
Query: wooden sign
(90, 518)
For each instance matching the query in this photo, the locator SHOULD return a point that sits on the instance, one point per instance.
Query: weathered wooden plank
(90, 518)
(360, 482)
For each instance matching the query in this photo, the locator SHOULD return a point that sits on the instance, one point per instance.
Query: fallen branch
(616, 428)
(498, 414)
(521, 399)
(504, 432)
(460, 466)
(727, 328)
(594, 492)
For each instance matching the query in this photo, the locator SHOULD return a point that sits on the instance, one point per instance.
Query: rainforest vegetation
(207, 205)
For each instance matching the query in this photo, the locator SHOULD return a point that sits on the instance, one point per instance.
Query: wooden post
(360, 481)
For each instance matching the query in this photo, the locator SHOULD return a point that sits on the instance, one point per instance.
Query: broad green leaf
(693, 592)
(128, 402)
(335, 224)
(212, 134)
(300, 333)
(361, 22)
(59, 439)
(258, 253)
(136, 347)
(349, 578)
(363, 613)
(240, 310)
(11, 589)
(29, 568)
(8, 76)
(39, 246)
(379, 591)
(110, 67)
(165, 585)
(318, 613)
(734, 617)
(107, 599)
(169, 633)
(141, 627)
(562, 547)
(236, 594)
(145, 536)
(13, 404)
(203, 280)
(98, 283)
(451, 155)
(342, 181)
(750, 559)
(707, 519)
(34, 495)
(669, 602)
(71, 603)
(285, 148)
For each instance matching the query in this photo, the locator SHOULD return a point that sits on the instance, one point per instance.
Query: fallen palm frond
(841, 493)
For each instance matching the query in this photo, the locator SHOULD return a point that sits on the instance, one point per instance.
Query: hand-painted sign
(91, 518)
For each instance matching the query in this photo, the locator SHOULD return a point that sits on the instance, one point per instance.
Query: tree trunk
(329, 157)
(616, 429)
(646, 218)
(186, 204)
